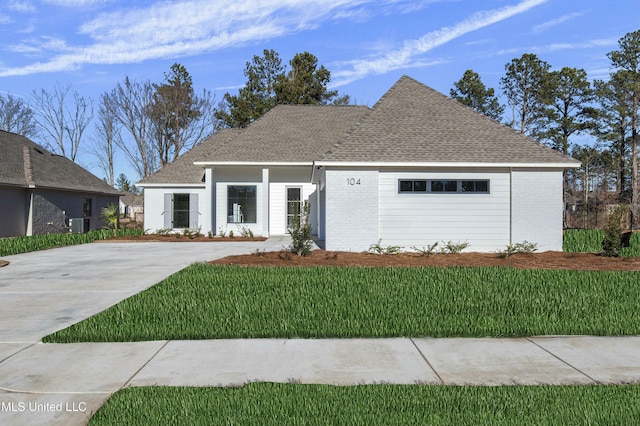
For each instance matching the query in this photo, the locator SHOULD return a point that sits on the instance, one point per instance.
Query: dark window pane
(451, 186)
(180, 210)
(420, 185)
(482, 186)
(468, 186)
(241, 204)
(406, 186)
(437, 186)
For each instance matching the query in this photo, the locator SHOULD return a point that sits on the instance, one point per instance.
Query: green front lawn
(292, 404)
(210, 302)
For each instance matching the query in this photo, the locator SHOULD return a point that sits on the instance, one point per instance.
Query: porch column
(265, 202)
(207, 208)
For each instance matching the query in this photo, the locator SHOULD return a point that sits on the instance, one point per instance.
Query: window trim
(429, 182)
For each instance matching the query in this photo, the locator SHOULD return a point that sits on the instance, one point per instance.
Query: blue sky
(367, 45)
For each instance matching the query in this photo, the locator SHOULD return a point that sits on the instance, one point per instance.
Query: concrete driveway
(45, 291)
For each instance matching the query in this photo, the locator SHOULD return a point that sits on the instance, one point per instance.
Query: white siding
(537, 208)
(421, 219)
(351, 213)
(280, 180)
(154, 207)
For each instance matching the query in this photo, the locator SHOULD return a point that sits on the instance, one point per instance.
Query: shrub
(426, 251)
(612, 242)
(300, 232)
(453, 248)
(379, 249)
(524, 247)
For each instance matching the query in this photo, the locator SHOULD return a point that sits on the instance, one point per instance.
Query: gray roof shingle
(414, 123)
(25, 164)
(287, 133)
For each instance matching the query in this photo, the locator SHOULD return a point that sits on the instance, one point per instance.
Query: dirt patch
(179, 237)
(3, 263)
(546, 260)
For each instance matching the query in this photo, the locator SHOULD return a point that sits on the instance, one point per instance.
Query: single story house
(416, 168)
(132, 206)
(44, 193)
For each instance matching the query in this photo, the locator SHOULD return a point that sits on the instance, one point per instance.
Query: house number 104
(353, 181)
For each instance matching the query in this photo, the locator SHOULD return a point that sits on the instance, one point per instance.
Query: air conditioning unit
(79, 225)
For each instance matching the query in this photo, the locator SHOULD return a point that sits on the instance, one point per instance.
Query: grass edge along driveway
(211, 302)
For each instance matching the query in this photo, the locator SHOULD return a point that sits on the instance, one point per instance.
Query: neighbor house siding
(351, 213)
(537, 208)
(422, 219)
(52, 210)
(14, 211)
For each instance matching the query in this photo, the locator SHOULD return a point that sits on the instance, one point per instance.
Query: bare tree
(106, 138)
(130, 102)
(180, 117)
(16, 116)
(63, 120)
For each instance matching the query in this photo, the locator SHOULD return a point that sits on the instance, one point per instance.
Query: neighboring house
(416, 168)
(132, 206)
(41, 192)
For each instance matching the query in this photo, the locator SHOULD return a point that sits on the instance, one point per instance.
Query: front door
(294, 205)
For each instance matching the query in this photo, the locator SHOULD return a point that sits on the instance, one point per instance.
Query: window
(86, 207)
(181, 210)
(442, 186)
(294, 206)
(241, 204)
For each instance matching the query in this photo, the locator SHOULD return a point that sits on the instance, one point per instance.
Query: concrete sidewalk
(66, 383)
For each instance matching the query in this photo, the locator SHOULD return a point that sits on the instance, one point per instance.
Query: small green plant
(164, 231)
(230, 234)
(191, 233)
(257, 252)
(245, 231)
(300, 232)
(209, 234)
(612, 242)
(453, 248)
(111, 216)
(222, 231)
(524, 247)
(379, 249)
(426, 251)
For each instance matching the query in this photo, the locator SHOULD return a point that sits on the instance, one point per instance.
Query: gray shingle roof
(287, 133)
(414, 123)
(24, 164)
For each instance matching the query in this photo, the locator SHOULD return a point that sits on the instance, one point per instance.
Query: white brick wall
(537, 208)
(351, 209)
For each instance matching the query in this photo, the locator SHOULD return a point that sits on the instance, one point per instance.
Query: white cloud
(557, 21)
(405, 56)
(5, 19)
(187, 27)
(21, 6)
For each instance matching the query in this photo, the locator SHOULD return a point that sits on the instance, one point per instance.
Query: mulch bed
(545, 260)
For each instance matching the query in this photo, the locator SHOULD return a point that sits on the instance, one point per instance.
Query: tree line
(554, 107)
